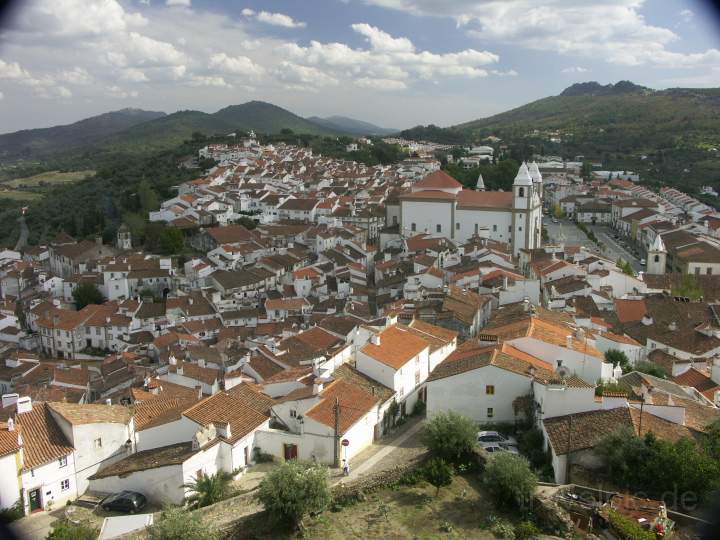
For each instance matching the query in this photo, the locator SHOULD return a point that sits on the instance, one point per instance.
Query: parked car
(494, 448)
(554, 220)
(493, 438)
(643, 262)
(124, 501)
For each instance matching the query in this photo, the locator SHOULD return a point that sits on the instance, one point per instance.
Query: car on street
(493, 438)
(643, 262)
(497, 448)
(555, 220)
(124, 501)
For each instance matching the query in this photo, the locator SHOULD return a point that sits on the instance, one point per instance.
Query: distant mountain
(32, 143)
(155, 131)
(669, 136)
(171, 130)
(350, 125)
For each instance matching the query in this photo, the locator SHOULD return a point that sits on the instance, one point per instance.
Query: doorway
(35, 500)
(290, 451)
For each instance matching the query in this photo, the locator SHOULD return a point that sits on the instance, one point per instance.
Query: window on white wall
(65, 485)
(490, 412)
(62, 462)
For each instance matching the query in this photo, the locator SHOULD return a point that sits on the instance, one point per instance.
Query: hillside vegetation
(660, 133)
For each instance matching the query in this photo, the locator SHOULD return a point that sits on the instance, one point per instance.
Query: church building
(438, 205)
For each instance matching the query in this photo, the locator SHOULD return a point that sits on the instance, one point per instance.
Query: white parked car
(493, 438)
(494, 448)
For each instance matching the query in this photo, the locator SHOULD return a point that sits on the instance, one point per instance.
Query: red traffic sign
(345, 442)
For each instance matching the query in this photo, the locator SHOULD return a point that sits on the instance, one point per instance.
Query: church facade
(438, 205)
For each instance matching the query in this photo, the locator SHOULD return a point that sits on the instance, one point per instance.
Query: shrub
(10, 514)
(65, 530)
(293, 490)
(503, 529)
(86, 293)
(209, 489)
(262, 457)
(438, 473)
(510, 481)
(179, 524)
(617, 357)
(627, 529)
(526, 530)
(651, 369)
(450, 436)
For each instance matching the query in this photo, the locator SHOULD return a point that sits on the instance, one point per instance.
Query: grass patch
(17, 195)
(461, 510)
(49, 178)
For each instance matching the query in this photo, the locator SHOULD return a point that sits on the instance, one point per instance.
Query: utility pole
(569, 447)
(336, 439)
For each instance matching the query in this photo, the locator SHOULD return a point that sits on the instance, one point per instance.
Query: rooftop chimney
(24, 404)
(375, 339)
(672, 326)
(9, 399)
(569, 341)
(11, 424)
(647, 320)
(108, 401)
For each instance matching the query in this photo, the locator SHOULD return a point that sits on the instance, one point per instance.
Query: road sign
(345, 442)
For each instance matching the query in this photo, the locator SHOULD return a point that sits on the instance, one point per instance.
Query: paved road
(22, 240)
(575, 237)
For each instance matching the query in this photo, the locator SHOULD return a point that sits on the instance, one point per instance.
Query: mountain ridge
(351, 125)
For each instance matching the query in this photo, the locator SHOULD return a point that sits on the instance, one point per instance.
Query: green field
(49, 178)
(17, 195)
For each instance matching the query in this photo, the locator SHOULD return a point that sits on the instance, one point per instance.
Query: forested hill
(132, 131)
(34, 143)
(663, 133)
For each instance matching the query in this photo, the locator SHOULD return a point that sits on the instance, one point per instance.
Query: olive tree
(295, 489)
(450, 436)
(510, 481)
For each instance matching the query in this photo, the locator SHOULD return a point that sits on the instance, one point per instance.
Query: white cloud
(611, 29)
(12, 70)
(237, 65)
(278, 19)
(303, 77)
(119, 93)
(382, 41)
(381, 84)
(1, 96)
(77, 75)
(687, 15)
(247, 12)
(201, 80)
(64, 92)
(390, 61)
(133, 75)
(574, 69)
(182, 3)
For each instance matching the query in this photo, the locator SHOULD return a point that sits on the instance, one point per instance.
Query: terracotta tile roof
(348, 373)
(78, 414)
(159, 410)
(233, 408)
(319, 339)
(397, 347)
(8, 441)
(700, 381)
(164, 389)
(43, 441)
(193, 371)
(469, 198)
(581, 431)
(438, 180)
(355, 402)
(630, 310)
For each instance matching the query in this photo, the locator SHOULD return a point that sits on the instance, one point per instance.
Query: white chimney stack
(375, 339)
(11, 424)
(24, 404)
(569, 341)
(9, 399)
(108, 401)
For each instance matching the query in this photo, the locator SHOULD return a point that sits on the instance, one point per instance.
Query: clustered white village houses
(361, 293)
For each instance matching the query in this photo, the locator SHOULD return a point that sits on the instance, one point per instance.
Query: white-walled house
(399, 359)
(99, 434)
(48, 465)
(10, 465)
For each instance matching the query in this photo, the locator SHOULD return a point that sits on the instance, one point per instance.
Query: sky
(396, 63)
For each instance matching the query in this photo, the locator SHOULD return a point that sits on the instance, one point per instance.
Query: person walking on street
(346, 468)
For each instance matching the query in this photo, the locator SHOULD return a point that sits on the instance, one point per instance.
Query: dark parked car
(124, 501)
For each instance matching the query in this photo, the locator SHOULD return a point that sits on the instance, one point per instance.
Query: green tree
(171, 241)
(651, 369)
(450, 436)
(147, 197)
(293, 490)
(209, 489)
(179, 524)
(87, 293)
(557, 212)
(621, 451)
(618, 358)
(510, 481)
(438, 473)
(625, 267)
(65, 530)
(689, 287)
